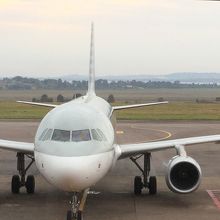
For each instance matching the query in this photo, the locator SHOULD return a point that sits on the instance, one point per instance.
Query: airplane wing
(24, 147)
(38, 104)
(128, 150)
(136, 105)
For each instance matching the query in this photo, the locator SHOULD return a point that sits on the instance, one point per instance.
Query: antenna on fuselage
(91, 82)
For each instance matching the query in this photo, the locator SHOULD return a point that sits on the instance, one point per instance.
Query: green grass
(171, 111)
(182, 103)
(13, 110)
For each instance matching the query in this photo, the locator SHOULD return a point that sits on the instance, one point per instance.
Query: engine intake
(183, 174)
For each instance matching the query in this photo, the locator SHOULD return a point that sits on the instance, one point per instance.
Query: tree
(34, 100)
(161, 99)
(111, 98)
(44, 98)
(60, 98)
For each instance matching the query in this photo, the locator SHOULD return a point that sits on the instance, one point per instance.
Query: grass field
(13, 110)
(174, 111)
(182, 104)
(171, 111)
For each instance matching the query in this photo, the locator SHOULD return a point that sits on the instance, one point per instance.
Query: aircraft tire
(79, 216)
(138, 185)
(15, 184)
(69, 215)
(30, 184)
(153, 185)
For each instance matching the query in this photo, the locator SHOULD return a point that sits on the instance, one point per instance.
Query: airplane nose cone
(74, 173)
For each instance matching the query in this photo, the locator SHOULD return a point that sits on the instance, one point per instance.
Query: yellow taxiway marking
(168, 134)
(119, 132)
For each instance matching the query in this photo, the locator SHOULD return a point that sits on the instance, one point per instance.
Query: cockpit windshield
(61, 135)
(95, 135)
(81, 135)
(73, 136)
(47, 135)
(102, 134)
(42, 135)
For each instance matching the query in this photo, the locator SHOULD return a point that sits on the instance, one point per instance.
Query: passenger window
(102, 134)
(61, 135)
(95, 135)
(43, 133)
(81, 135)
(48, 134)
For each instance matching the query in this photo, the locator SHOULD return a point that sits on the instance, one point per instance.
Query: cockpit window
(102, 134)
(43, 133)
(61, 135)
(47, 135)
(95, 135)
(81, 135)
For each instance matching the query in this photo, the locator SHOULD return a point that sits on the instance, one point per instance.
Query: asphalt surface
(116, 199)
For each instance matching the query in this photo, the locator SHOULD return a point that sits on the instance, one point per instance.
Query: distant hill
(195, 77)
(188, 78)
(182, 77)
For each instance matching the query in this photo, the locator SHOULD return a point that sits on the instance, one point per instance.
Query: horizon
(188, 75)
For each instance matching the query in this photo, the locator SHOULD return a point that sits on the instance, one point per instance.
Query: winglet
(91, 82)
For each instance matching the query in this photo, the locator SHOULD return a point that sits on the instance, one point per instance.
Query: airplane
(75, 147)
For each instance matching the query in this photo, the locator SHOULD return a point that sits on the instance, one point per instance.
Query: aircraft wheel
(30, 184)
(138, 185)
(69, 215)
(79, 216)
(152, 185)
(15, 184)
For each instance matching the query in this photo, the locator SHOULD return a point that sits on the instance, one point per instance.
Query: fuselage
(74, 143)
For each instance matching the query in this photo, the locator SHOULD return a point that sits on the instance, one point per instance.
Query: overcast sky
(49, 37)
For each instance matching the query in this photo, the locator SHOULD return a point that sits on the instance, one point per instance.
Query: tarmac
(114, 198)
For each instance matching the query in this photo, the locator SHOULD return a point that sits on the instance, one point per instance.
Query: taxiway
(115, 199)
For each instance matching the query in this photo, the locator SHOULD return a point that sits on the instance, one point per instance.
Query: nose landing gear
(77, 205)
(19, 181)
(148, 181)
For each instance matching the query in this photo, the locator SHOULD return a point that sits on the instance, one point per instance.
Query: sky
(51, 38)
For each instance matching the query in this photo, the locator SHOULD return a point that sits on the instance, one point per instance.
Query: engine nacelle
(183, 174)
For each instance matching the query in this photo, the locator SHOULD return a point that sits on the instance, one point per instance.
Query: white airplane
(75, 147)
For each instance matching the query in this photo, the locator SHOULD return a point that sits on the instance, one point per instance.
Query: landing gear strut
(146, 181)
(77, 205)
(19, 181)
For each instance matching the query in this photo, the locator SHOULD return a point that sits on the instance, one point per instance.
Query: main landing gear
(77, 205)
(144, 181)
(19, 181)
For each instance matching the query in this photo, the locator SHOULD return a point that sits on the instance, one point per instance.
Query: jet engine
(183, 174)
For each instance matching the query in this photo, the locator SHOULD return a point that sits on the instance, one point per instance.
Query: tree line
(25, 83)
(61, 98)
